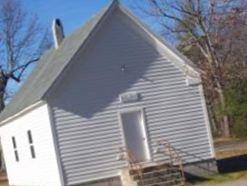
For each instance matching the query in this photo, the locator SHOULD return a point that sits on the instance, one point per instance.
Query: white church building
(112, 84)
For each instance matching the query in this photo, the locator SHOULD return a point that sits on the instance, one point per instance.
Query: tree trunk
(225, 126)
(224, 123)
(2, 105)
(3, 85)
(212, 120)
(215, 67)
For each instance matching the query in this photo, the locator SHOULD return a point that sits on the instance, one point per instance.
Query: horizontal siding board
(180, 101)
(78, 139)
(192, 151)
(91, 161)
(170, 81)
(176, 90)
(94, 171)
(189, 159)
(90, 129)
(170, 110)
(170, 130)
(154, 112)
(175, 134)
(83, 147)
(170, 73)
(80, 155)
(88, 177)
(171, 121)
(86, 114)
(96, 165)
(199, 137)
(90, 134)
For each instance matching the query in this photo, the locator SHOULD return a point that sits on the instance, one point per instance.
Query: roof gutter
(21, 113)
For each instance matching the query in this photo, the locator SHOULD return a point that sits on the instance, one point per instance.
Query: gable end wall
(85, 104)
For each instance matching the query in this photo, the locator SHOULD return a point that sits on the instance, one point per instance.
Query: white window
(15, 149)
(30, 140)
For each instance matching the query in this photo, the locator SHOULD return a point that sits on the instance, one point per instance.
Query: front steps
(162, 175)
(169, 173)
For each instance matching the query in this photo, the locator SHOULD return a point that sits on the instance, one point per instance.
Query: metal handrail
(174, 156)
(168, 149)
(132, 163)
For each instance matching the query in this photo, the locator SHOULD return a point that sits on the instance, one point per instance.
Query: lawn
(230, 153)
(232, 167)
(223, 179)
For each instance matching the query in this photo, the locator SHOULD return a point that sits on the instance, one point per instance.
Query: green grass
(222, 178)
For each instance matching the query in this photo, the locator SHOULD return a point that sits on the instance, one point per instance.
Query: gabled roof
(54, 61)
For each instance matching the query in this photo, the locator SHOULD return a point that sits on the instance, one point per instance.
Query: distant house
(110, 88)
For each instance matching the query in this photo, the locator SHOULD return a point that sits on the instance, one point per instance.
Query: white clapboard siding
(41, 171)
(86, 102)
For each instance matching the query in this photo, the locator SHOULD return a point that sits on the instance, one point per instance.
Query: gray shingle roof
(50, 66)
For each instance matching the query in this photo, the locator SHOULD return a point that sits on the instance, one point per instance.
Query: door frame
(144, 130)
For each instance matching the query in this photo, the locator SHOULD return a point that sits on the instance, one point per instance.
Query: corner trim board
(207, 122)
(55, 143)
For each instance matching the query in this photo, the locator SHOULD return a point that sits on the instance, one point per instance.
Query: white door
(135, 136)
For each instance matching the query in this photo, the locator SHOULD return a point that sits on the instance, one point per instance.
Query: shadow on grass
(225, 166)
(233, 164)
(191, 178)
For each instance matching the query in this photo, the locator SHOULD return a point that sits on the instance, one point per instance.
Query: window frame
(31, 144)
(14, 144)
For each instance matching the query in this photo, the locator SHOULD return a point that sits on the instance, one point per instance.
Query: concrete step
(155, 173)
(158, 175)
(151, 168)
(177, 182)
(168, 176)
(161, 178)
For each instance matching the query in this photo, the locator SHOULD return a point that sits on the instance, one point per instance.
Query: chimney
(58, 34)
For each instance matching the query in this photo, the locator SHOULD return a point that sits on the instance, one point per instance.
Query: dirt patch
(3, 183)
(230, 153)
(226, 148)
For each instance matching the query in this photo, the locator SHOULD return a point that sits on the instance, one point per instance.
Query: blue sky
(73, 13)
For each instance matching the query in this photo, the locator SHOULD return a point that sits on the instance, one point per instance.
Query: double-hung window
(15, 149)
(31, 145)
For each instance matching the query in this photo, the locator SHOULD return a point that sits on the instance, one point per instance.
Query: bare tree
(206, 26)
(22, 41)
